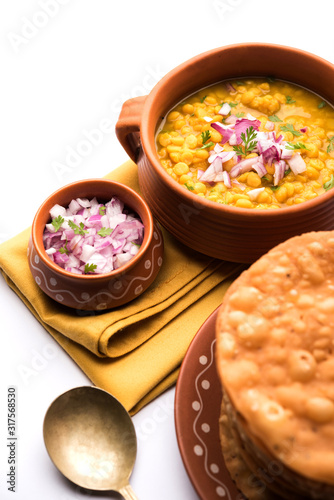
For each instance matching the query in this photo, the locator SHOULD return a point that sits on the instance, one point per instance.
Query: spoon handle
(128, 493)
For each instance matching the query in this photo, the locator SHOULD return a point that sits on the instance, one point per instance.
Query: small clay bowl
(222, 231)
(99, 291)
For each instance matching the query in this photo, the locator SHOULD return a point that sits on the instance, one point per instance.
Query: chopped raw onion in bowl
(89, 237)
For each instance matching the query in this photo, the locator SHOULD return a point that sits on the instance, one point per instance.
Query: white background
(66, 66)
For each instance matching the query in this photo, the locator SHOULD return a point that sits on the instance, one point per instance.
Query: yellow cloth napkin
(134, 351)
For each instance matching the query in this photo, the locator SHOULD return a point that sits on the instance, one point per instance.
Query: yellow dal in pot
(186, 138)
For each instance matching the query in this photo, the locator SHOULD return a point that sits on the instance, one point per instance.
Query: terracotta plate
(197, 408)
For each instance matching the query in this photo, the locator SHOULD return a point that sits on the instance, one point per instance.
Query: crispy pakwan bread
(275, 342)
(246, 481)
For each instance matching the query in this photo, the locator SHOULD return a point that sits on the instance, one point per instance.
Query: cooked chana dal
(250, 143)
(275, 352)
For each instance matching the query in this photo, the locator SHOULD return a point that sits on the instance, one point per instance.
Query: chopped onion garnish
(271, 154)
(57, 210)
(259, 168)
(297, 164)
(279, 171)
(92, 238)
(233, 140)
(226, 179)
(243, 124)
(218, 148)
(224, 155)
(211, 172)
(238, 184)
(225, 109)
(243, 166)
(254, 193)
(269, 125)
(224, 130)
(286, 154)
(269, 148)
(231, 119)
(250, 117)
(229, 87)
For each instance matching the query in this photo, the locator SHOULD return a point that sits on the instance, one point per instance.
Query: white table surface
(66, 66)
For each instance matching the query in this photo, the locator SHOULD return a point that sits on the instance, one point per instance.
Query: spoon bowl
(91, 439)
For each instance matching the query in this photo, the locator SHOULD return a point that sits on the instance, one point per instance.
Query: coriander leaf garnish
(274, 188)
(329, 184)
(189, 186)
(77, 229)
(289, 100)
(249, 140)
(240, 115)
(104, 231)
(274, 118)
(90, 268)
(287, 172)
(64, 249)
(322, 104)
(233, 104)
(298, 145)
(203, 98)
(57, 222)
(102, 210)
(330, 146)
(290, 128)
(208, 145)
(205, 136)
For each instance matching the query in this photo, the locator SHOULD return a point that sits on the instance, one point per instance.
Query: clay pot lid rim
(198, 202)
(36, 233)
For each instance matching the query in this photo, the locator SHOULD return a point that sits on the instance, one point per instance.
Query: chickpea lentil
(254, 180)
(181, 168)
(178, 124)
(174, 156)
(173, 115)
(184, 178)
(187, 157)
(203, 154)
(281, 194)
(243, 203)
(191, 141)
(188, 109)
(200, 187)
(178, 141)
(312, 173)
(213, 197)
(164, 139)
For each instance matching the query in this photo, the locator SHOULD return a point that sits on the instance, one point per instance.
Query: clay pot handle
(128, 125)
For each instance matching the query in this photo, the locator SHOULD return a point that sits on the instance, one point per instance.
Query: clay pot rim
(148, 142)
(139, 206)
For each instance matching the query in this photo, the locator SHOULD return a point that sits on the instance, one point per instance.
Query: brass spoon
(91, 439)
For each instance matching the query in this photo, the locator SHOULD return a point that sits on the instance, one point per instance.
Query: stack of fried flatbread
(275, 360)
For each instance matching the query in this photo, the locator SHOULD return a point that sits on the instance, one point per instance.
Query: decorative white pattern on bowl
(197, 409)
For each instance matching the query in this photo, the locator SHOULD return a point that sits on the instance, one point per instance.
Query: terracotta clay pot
(222, 231)
(100, 291)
